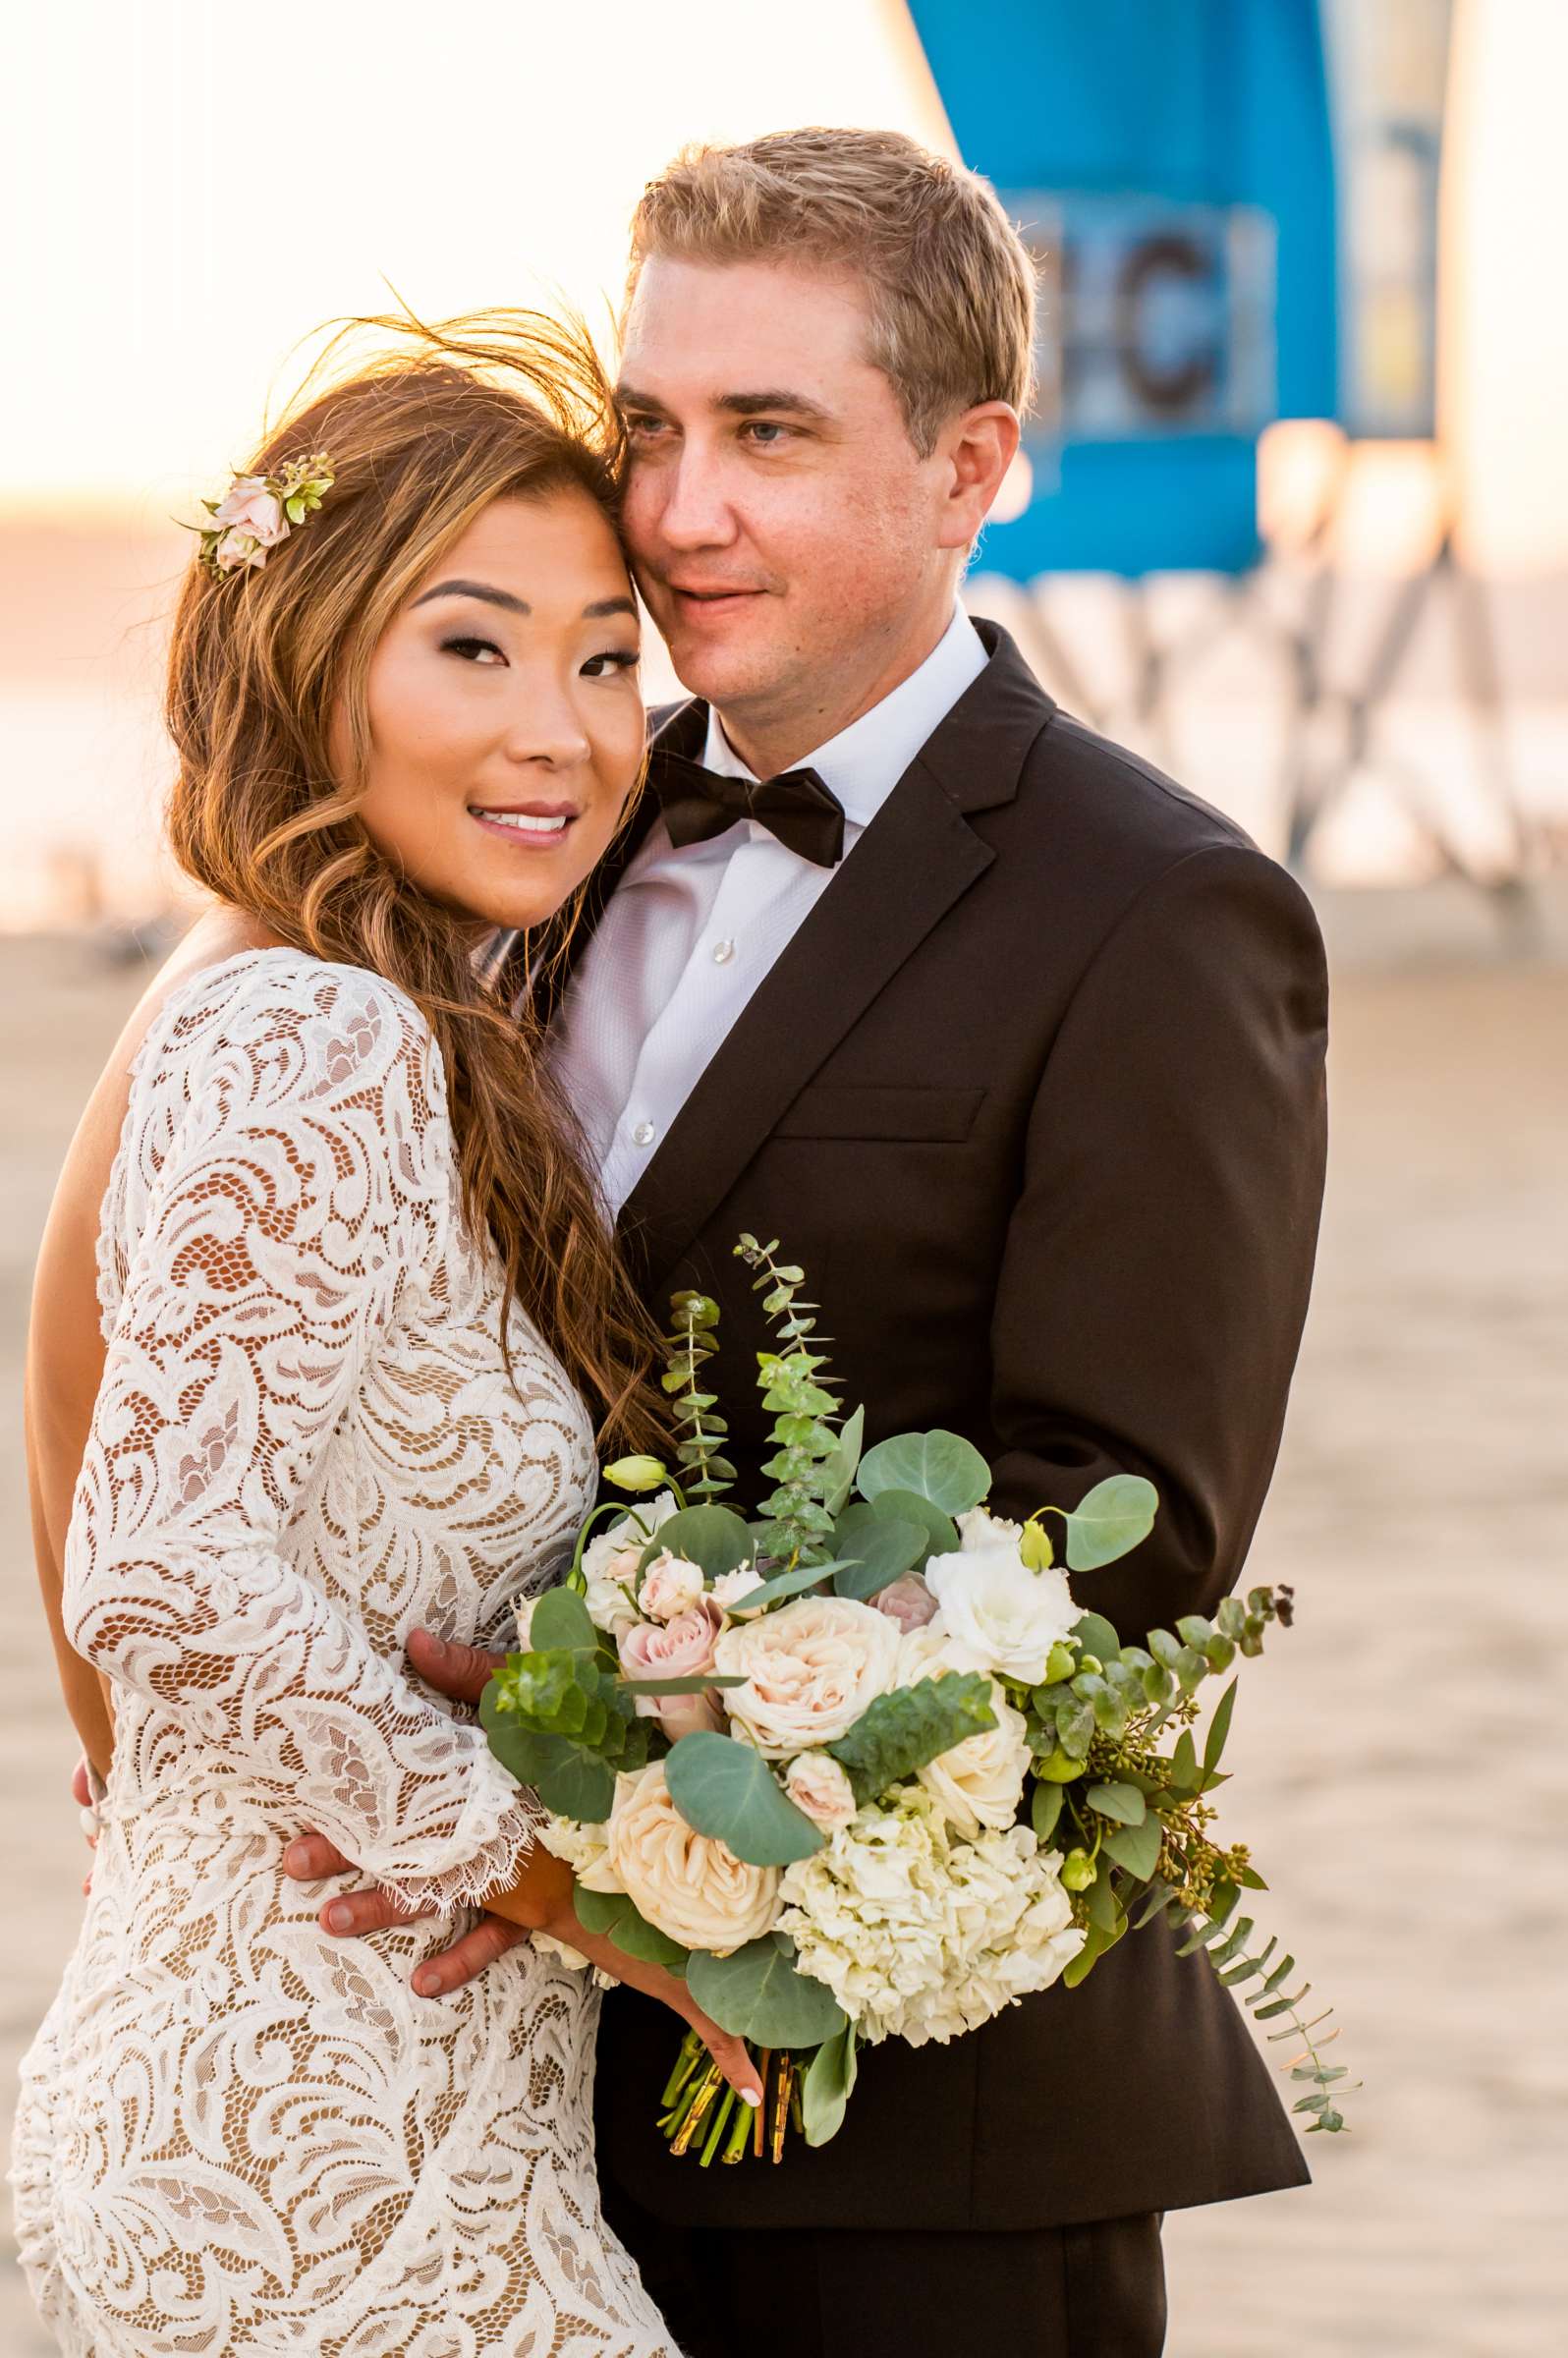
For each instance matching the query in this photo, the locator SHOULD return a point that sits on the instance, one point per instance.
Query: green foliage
(828, 2084)
(1259, 1981)
(876, 1550)
(688, 1347)
(900, 1732)
(939, 1467)
(561, 1618)
(559, 1716)
(939, 1532)
(724, 1789)
(756, 1993)
(613, 1913)
(1114, 1516)
(810, 1452)
(715, 1538)
(838, 1473)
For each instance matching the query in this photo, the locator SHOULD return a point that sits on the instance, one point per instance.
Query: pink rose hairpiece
(258, 511)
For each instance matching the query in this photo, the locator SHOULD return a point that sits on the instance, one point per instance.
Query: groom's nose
(689, 502)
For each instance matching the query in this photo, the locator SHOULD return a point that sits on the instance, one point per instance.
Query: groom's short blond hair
(951, 287)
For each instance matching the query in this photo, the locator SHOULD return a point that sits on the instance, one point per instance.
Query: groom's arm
(1159, 1256)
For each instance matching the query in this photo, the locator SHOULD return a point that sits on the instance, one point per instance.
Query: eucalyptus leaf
(828, 2086)
(756, 1993)
(1124, 1803)
(680, 1685)
(838, 1471)
(940, 1533)
(1219, 1727)
(715, 1537)
(729, 1792)
(876, 1550)
(613, 1913)
(898, 1733)
(560, 1619)
(1136, 1847)
(1044, 1808)
(781, 1584)
(939, 1467)
(1115, 1516)
(1096, 1636)
(574, 1783)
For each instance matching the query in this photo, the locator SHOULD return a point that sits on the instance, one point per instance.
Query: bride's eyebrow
(598, 611)
(491, 598)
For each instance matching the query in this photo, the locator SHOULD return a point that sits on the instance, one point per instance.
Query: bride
(360, 1319)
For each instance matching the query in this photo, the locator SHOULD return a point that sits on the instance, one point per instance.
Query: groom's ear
(976, 449)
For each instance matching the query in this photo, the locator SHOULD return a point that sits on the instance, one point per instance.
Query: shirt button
(644, 1133)
(723, 952)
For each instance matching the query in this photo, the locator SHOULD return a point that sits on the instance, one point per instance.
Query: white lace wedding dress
(237, 2134)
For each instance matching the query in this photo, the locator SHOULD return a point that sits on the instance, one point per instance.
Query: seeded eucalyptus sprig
(708, 1472)
(805, 1411)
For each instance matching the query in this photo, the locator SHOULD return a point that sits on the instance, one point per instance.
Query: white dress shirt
(689, 934)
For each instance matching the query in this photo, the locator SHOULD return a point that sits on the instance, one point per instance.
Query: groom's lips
(709, 600)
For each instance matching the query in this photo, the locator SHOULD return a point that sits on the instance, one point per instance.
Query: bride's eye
(473, 650)
(619, 658)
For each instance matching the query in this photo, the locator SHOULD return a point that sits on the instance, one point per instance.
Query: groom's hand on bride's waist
(462, 1673)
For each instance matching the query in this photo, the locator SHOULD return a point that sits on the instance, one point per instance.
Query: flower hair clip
(259, 510)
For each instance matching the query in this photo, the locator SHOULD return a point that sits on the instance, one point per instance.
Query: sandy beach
(1398, 1769)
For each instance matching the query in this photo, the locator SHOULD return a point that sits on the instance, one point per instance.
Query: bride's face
(506, 726)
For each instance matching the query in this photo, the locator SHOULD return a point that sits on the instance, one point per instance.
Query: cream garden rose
(688, 1885)
(1008, 1616)
(981, 1781)
(671, 1586)
(610, 1560)
(810, 1669)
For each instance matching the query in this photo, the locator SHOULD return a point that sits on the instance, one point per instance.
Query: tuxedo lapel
(914, 862)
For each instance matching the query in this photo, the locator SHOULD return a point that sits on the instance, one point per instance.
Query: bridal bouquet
(854, 1764)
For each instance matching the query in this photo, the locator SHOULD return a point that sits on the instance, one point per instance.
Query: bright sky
(207, 180)
(188, 187)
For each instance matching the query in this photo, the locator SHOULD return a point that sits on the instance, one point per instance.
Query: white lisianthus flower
(586, 1850)
(810, 1669)
(1008, 1616)
(671, 1586)
(731, 1588)
(610, 1560)
(921, 1933)
(819, 1787)
(691, 1886)
(980, 1781)
(979, 1528)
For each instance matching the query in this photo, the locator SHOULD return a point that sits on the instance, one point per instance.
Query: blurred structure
(1235, 213)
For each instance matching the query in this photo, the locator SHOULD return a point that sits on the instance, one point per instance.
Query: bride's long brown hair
(438, 423)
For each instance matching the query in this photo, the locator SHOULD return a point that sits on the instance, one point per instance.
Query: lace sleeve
(299, 1190)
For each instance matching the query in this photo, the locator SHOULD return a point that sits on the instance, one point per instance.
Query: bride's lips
(528, 826)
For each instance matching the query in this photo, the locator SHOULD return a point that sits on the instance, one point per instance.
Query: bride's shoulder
(298, 1024)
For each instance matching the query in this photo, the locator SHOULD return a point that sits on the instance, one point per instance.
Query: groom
(1020, 1049)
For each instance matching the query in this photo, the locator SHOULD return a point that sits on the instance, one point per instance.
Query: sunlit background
(188, 191)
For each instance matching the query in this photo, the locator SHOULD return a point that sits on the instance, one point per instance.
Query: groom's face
(781, 519)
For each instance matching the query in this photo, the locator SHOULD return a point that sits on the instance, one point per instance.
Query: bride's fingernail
(340, 1916)
(751, 2097)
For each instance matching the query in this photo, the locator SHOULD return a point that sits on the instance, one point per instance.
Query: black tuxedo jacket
(1035, 1094)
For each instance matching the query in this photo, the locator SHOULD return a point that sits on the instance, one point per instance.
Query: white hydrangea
(922, 1934)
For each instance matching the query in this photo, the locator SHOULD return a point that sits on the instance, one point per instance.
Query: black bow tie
(805, 814)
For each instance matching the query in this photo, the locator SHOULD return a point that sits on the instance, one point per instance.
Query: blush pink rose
(908, 1601)
(250, 508)
(678, 1649)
